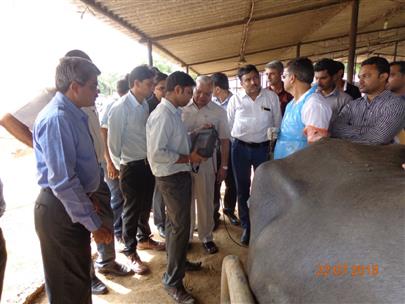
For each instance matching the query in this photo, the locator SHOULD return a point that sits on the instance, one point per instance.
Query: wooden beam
(324, 19)
(298, 54)
(352, 40)
(289, 12)
(132, 29)
(387, 43)
(293, 45)
(150, 58)
(395, 50)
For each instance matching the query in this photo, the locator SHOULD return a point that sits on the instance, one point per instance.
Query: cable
(221, 203)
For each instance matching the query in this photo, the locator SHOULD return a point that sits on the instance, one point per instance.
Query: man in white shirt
(168, 147)
(250, 114)
(200, 112)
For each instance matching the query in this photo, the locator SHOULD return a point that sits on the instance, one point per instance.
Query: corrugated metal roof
(211, 36)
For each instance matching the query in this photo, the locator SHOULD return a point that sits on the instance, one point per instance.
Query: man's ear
(178, 90)
(136, 83)
(74, 87)
(384, 76)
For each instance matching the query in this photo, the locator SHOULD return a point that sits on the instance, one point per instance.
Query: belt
(253, 145)
(137, 162)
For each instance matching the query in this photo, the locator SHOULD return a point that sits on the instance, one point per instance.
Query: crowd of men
(101, 175)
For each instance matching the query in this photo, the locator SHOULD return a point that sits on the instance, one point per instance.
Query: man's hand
(103, 235)
(196, 158)
(221, 175)
(112, 172)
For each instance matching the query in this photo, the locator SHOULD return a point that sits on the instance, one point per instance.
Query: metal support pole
(395, 50)
(298, 49)
(150, 58)
(352, 40)
(187, 70)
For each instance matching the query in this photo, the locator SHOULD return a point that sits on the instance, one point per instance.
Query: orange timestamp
(342, 269)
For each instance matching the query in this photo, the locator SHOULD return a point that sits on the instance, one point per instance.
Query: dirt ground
(24, 272)
(205, 285)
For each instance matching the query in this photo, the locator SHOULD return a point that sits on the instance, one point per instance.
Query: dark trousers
(230, 189)
(176, 193)
(66, 253)
(159, 209)
(3, 260)
(137, 183)
(245, 156)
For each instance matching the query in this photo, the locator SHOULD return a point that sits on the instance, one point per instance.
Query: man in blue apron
(306, 118)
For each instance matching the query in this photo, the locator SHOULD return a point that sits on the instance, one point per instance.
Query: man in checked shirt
(377, 116)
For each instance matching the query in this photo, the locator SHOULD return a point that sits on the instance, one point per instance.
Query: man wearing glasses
(306, 118)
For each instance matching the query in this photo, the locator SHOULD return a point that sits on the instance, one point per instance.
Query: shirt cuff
(94, 223)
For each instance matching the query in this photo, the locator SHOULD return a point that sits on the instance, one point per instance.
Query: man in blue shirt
(68, 173)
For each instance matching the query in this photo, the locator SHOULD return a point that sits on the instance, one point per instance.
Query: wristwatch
(225, 167)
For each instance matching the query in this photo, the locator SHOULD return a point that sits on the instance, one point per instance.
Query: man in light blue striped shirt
(127, 144)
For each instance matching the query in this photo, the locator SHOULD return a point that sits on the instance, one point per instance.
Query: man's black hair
(401, 65)
(380, 62)
(302, 68)
(159, 76)
(179, 79)
(220, 80)
(328, 65)
(246, 70)
(140, 73)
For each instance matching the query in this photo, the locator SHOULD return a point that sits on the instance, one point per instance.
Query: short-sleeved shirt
(193, 118)
(29, 112)
(315, 112)
(249, 119)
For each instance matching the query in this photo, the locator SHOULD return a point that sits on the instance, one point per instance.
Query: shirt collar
(244, 94)
(70, 105)
(383, 96)
(218, 101)
(170, 106)
(303, 95)
(135, 102)
(192, 104)
(335, 92)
